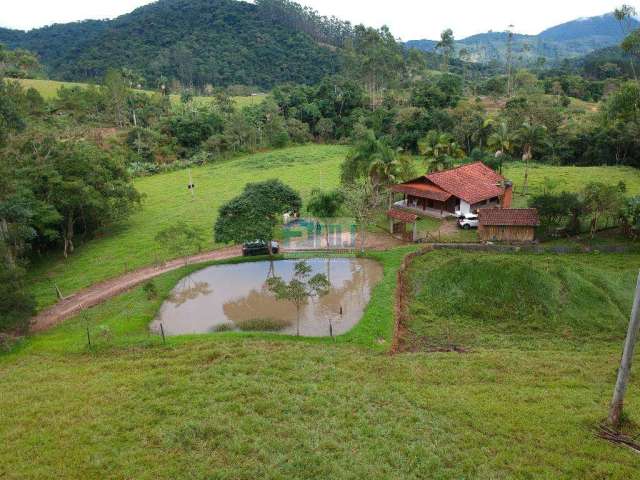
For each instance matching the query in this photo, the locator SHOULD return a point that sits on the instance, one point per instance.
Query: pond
(234, 297)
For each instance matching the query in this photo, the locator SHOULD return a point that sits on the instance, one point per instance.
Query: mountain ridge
(198, 42)
(571, 39)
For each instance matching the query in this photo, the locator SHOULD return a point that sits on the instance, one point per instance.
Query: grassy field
(49, 90)
(168, 200)
(571, 179)
(522, 403)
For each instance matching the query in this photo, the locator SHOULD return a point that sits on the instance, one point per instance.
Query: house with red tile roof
(456, 191)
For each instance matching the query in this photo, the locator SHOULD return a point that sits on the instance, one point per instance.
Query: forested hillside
(569, 40)
(197, 42)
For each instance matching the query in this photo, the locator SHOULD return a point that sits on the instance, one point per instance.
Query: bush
(150, 290)
(262, 325)
(224, 327)
(17, 305)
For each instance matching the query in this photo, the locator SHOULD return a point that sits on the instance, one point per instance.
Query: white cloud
(408, 19)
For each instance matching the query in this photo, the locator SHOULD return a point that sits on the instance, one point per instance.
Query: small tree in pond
(300, 289)
(181, 239)
(325, 206)
(363, 200)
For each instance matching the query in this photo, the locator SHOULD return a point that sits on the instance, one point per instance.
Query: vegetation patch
(262, 325)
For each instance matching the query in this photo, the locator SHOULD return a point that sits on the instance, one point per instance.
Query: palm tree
(440, 150)
(530, 136)
(501, 141)
(370, 157)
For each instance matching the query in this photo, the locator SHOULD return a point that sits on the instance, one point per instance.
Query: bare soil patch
(102, 291)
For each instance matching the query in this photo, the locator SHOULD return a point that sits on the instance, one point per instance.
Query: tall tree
(11, 109)
(446, 46)
(530, 136)
(375, 59)
(363, 200)
(625, 14)
(510, 61)
(116, 91)
(501, 140)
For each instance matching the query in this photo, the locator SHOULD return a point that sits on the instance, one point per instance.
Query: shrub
(17, 305)
(262, 325)
(224, 327)
(150, 290)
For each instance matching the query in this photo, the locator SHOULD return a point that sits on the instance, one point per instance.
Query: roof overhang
(422, 190)
(402, 216)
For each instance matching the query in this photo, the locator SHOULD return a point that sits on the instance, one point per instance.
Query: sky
(407, 19)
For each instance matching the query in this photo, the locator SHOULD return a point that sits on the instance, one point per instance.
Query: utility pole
(615, 411)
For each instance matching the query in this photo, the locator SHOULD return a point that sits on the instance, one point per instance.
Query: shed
(507, 224)
(398, 221)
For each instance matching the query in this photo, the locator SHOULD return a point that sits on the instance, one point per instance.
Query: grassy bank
(168, 200)
(244, 406)
(522, 300)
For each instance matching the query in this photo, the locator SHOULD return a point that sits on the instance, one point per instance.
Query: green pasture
(49, 90)
(523, 401)
(167, 200)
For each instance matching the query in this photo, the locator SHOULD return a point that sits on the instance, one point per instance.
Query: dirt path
(102, 291)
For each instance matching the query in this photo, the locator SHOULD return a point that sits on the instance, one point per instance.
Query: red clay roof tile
(508, 217)
(473, 183)
(422, 190)
(401, 215)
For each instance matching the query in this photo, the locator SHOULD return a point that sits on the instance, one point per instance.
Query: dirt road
(99, 292)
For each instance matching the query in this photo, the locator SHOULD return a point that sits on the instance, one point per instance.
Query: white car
(468, 220)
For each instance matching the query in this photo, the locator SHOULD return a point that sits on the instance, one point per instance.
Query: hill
(197, 42)
(568, 40)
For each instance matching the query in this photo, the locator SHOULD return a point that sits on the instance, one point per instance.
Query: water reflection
(235, 297)
(188, 290)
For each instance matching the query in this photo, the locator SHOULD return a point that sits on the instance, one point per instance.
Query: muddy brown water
(228, 297)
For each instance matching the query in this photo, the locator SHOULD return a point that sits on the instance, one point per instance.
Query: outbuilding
(398, 221)
(507, 224)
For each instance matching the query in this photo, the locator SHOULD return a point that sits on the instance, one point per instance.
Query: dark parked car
(259, 247)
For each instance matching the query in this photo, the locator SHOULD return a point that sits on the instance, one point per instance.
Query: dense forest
(196, 42)
(67, 164)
